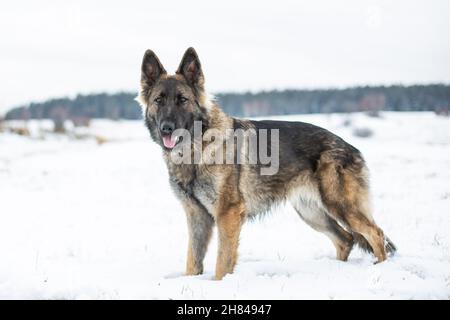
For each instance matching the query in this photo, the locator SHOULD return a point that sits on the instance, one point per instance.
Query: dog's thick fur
(322, 176)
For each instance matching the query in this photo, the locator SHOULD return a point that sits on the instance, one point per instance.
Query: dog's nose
(167, 127)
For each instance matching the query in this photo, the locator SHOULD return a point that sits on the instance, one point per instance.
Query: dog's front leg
(229, 222)
(200, 224)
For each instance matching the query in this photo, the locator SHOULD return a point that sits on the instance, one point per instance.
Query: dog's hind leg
(369, 230)
(317, 218)
(345, 193)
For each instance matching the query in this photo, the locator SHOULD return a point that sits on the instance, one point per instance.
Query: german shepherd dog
(322, 176)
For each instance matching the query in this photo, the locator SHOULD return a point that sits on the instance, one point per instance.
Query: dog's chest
(204, 191)
(192, 183)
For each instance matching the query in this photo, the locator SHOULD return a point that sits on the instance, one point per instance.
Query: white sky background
(59, 48)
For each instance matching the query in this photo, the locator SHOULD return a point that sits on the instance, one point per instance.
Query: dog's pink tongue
(169, 141)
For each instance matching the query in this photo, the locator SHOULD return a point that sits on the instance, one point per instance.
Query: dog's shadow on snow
(180, 275)
(280, 268)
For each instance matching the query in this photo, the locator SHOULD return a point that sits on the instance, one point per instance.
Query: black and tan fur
(322, 176)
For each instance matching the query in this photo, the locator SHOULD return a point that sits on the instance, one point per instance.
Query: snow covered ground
(80, 220)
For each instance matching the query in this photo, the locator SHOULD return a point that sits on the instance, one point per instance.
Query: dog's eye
(158, 100)
(183, 100)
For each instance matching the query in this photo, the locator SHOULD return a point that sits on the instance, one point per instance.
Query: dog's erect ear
(191, 69)
(151, 69)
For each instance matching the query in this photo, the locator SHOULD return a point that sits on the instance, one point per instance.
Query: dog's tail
(365, 246)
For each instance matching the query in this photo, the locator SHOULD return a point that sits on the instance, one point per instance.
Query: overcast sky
(58, 48)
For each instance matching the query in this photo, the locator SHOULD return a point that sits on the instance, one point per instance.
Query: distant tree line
(371, 99)
(111, 106)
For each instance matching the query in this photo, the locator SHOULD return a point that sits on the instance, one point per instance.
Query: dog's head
(172, 102)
